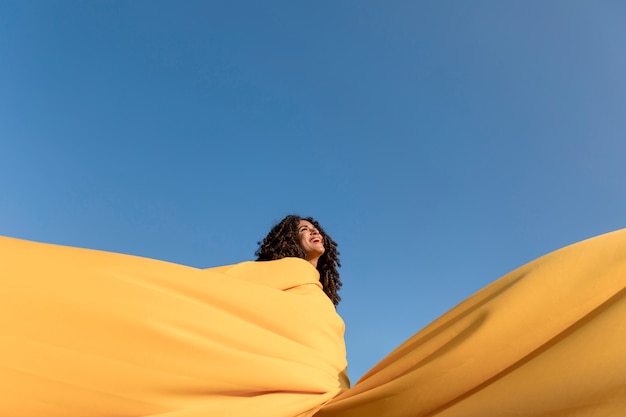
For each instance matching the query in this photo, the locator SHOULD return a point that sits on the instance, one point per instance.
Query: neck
(313, 261)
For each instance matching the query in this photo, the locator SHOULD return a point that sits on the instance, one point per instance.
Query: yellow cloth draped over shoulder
(85, 333)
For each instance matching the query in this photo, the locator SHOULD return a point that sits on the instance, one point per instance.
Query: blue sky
(441, 143)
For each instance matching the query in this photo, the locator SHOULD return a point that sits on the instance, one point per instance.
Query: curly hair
(283, 241)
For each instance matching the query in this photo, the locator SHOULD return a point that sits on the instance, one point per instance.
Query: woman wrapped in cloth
(85, 333)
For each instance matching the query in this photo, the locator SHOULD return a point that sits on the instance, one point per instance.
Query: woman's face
(311, 241)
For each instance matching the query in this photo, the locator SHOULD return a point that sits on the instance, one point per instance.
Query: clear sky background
(441, 143)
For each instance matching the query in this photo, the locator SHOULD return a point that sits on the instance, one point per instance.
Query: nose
(314, 231)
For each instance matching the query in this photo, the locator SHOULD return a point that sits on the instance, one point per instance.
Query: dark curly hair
(284, 241)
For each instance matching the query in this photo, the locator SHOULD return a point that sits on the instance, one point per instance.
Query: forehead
(305, 223)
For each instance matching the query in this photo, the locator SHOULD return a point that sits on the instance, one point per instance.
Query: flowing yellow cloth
(88, 333)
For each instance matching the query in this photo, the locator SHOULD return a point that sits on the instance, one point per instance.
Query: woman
(303, 237)
(91, 333)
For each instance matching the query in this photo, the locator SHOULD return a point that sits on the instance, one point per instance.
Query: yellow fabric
(88, 333)
(548, 339)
